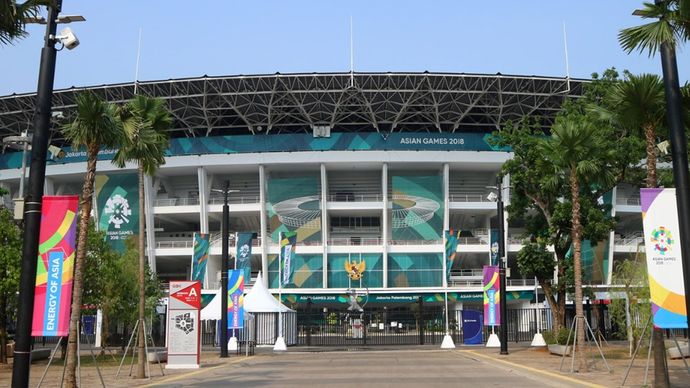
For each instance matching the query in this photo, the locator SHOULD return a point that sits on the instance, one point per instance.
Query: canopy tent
(260, 303)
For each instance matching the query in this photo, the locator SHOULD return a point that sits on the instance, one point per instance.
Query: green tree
(630, 278)
(577, 154)
(637, 106)
(10, 258)
(94, 126)
(13, 17)
(103, 277)
(145, 121)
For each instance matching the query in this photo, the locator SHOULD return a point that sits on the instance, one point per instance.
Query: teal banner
(117, 204)
(470, 296)
(200, 256)
(361, 141)
(493, 243)
(451, 250)
(243, 259)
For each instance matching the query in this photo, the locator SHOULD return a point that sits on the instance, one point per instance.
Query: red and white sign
(183, 326)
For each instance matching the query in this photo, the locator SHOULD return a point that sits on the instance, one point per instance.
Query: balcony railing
(468, 197)
(631, 240)
(175, 244)
(351, 197)
(469, 272)
(249, 199)
(176, 202)
(478, 282)
(629, 201)
(355, 241)
(415, 242)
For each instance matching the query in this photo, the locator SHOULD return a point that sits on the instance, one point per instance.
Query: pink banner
(56, 251)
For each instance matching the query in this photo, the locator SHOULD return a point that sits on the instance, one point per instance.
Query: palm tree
(94, 126)
(145, 121)
(671, 27)
(638, 106)
(671, 24)
(578, 158)
(13, 17)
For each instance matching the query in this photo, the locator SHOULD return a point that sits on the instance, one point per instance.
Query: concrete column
(204, 193)
(264, 233)
(49, 187)
(150, 198)
(612, 236)
(446, 219)
(324, 223)
(384, 223)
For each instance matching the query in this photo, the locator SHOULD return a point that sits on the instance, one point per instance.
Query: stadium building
(363, 166)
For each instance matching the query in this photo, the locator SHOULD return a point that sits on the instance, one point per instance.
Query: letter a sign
(183, 325)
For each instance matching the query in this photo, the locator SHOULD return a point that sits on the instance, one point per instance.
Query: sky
(217, 38)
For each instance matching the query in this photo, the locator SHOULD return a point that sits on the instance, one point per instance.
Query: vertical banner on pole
(287, 250)
(183, 325)
(451, 250)
(664, 257)
(56, 251)
(244, 254)
(235, 299)
(200, 256)
(493, 245)
(117, 203)
(492, 312)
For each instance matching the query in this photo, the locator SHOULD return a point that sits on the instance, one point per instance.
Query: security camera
(68, 39)
(492, 197)
(56, 152)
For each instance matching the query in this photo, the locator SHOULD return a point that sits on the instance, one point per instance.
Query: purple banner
(492, 312)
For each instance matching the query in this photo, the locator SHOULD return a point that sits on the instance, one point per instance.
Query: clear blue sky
(193, 38)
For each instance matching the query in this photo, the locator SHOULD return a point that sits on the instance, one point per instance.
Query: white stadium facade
(363, 166)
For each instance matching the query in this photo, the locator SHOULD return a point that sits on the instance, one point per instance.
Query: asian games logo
(662, 240)
(118, 208)
(244, 252)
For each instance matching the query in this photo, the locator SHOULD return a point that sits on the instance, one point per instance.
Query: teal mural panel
(308, 271)
(373, 274)
(417, 207)
(361, 141)
(294, 205)
(415, 270)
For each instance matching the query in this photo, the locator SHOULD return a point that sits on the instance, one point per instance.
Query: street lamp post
(225, 236)
(502, 267)
(679, 153)
(34, 200)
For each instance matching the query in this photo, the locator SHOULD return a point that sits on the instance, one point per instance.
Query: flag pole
(447, 339)
(280, 341)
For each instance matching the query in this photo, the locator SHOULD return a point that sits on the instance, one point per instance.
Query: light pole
(502, 261)
(679, 153)
(225, 236)
(34, 198)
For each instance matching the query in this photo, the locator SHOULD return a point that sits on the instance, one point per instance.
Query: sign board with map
(183, 332)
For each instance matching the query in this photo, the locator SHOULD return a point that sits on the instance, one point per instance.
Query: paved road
(412, 368)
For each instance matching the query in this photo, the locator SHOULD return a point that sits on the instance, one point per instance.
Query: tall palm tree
(145, 121)
(671, 24)
(637, 106)
(13, 17)
(94, 126)
(578, 158)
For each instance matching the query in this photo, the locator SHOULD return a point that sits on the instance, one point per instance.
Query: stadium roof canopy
(346, 102)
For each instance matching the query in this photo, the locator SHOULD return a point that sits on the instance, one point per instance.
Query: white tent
(259, 300)
(213, 308)
(260, 303)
